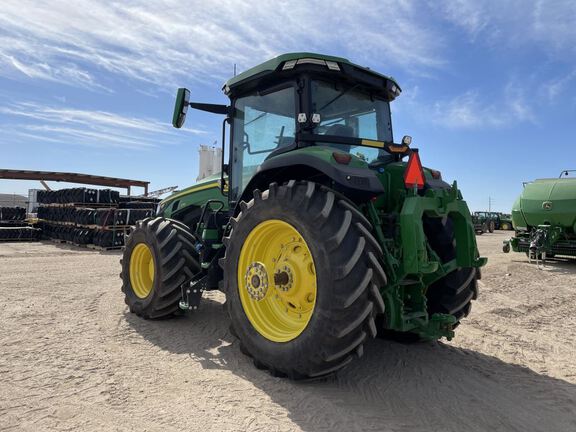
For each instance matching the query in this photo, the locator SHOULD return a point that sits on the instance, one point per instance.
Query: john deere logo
(547, 205)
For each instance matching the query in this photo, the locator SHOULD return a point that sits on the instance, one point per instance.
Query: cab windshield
(347, 111)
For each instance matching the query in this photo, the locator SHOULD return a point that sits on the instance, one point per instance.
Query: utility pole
(489, 204)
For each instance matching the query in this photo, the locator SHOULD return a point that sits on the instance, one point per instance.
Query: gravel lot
(73, 358)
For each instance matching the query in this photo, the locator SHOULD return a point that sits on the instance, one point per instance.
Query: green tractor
(505, 222)
(498, 221)
(544, 217)
(485, 221)
(480, 224)
(318, 233)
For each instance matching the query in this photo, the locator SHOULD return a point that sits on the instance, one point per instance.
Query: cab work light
(414, 174)
(330, 64)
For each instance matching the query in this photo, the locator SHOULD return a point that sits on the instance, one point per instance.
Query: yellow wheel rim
(277, 280)
(141, 270)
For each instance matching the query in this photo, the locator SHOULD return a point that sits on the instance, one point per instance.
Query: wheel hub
(256, 281)
(277, 280)
(283, 278)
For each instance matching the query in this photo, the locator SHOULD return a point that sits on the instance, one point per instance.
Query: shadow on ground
(423, 387)
(559, 265)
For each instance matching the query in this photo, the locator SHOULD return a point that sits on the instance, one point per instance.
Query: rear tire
(159, 257)
(491, 226)
(452, 294)
(345, 258)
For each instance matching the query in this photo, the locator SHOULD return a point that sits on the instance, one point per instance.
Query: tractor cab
(300, 100)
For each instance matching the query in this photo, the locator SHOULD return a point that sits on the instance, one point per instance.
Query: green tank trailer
(544, 218)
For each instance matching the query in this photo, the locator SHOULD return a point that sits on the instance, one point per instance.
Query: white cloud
(466, 14)
(555, 87)
(173, 42)
(85, 128)
(472, 110)
(516, 23)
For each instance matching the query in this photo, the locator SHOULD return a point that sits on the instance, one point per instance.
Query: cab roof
(282, 61)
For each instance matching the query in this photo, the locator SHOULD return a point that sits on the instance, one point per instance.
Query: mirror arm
(213, 108)
(222, 161)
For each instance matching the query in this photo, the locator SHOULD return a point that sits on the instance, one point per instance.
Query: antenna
(234, 69)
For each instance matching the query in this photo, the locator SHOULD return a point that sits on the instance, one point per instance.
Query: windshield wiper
(338, 96)
(257, 118)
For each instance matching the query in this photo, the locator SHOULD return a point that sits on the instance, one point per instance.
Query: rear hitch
(439, 325)
(540, 241)
(191, 293)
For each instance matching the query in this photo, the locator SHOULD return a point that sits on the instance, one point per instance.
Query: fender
(317, 163)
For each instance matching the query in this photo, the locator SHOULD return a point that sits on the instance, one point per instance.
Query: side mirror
(407, 140)
(181, 107)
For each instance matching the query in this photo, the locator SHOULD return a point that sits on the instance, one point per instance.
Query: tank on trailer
(544, 218)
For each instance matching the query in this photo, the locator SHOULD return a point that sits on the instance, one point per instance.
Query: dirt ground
(73, 358)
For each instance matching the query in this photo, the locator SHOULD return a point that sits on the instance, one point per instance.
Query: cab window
(263, 122)
(347, 111)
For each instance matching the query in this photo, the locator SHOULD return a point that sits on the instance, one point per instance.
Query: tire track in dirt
(72, 357)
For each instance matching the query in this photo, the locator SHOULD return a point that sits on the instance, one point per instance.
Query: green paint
(409, 261)
(325, 154)
(272, 65)
(545, 212)
(195, 195)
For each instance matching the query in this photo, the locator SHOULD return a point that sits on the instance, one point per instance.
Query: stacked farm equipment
(544, 218)
(91, 217)
(15, 227)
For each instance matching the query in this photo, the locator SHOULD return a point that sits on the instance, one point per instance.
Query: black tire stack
(12, 213)
(79, 196)
(13, 226)
(85, 216)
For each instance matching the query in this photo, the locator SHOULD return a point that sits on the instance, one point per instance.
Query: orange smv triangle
(414, 174)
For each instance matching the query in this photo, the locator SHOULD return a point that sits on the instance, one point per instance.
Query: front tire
(158, 258)
(301, 275)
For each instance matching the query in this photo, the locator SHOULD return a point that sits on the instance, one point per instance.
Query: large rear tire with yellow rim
(158, 258)
(302, 275)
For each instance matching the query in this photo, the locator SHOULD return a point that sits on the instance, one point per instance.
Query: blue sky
(489, 87)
